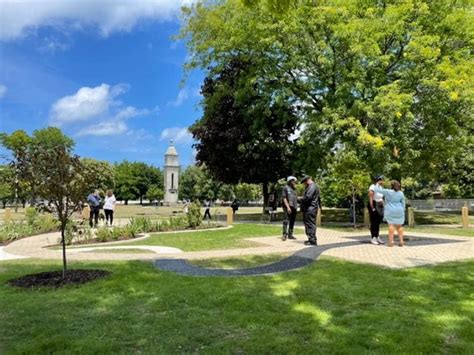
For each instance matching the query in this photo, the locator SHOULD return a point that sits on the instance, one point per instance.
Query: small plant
(103, 234)
(194, 215)
(31, 215)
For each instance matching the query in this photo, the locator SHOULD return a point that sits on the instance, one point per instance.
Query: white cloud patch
(85, 104)
(3, 90)
(19, 18)
(98, 103)
(111, 128)
(183, 95)
(179, 135)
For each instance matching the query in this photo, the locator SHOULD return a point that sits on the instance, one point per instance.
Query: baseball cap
(306, 177)
(289, 178)
(379, 178)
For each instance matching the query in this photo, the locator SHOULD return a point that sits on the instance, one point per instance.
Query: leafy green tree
(249, 127)
(226, 192)
(390, 81)
(125, 182)
(46, 161)
(247, 192)
(102, 172)
(6, 191)
(155, 193)
(196, 183)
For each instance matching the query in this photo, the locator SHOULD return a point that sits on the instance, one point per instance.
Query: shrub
(103, 234)
(31, 215)
(194, 215)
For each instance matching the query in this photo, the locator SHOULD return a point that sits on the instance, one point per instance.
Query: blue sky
(106, 72)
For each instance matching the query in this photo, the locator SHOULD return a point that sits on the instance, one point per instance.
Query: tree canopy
(388, 82)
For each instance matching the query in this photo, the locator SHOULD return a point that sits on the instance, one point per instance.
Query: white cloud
(19, 18)
(183, 95)
(179, 135)
(3, 91)
(53, 45)
(85, 104)
(110, 128)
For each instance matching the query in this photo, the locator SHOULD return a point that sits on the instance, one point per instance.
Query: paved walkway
(420, 249)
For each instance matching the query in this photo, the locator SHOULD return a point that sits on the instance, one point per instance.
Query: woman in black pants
(375, 207)
(109, 206)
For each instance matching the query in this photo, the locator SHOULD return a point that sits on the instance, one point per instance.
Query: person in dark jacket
(309, 206)
(94, 203)
(289, 204)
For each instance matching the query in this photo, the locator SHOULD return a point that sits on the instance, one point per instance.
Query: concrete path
(420, 249)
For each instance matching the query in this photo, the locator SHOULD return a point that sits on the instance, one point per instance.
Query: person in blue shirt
(394, 210)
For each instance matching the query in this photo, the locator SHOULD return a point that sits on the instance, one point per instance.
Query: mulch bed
(54, 279)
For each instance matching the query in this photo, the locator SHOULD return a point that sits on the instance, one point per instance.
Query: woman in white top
(109, 206)
(376, 207)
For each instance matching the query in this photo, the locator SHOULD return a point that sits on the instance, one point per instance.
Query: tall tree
(250, 128)
(391, 82)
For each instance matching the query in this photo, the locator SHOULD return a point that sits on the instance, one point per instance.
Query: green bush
(34, 224)
(31, 215)
(194, 215)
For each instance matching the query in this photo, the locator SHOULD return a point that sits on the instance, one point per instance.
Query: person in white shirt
(375, 206)
(109, 206)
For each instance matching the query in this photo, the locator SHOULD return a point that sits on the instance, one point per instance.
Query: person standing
(290, 204)
(394, 212)
(207, 212)
(376, 207)
(309, 206)
(94, 204)
(109, 207)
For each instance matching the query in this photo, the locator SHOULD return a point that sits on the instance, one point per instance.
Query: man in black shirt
(290, 203)
(309, 206)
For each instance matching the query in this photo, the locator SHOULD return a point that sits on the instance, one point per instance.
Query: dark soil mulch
(54, 279)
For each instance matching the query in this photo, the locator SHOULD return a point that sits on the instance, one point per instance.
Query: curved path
(421, 249)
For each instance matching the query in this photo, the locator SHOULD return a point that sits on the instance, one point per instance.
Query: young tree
(58, 176)
(155, 193)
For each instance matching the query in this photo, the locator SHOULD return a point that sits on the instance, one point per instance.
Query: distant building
(171, 175)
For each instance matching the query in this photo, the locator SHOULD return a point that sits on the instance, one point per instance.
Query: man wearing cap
(290, 203)
(309, 206)
(375, 210)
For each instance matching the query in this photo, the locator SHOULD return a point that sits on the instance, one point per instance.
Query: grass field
(328, 307)
(214, 239)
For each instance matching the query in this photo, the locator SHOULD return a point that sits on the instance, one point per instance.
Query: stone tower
(171, 175)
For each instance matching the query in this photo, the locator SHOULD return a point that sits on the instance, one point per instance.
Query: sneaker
(310, 243)
(380, 241)
(374, 241)
(291, 237)
(283, 237)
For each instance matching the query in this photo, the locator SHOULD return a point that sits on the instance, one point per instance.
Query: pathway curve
(420, 249)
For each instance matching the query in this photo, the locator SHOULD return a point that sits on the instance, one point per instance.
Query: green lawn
(328, 307)
(215, 239)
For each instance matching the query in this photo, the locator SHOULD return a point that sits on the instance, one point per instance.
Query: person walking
(376, 207)
(310, 202)
(109, 207)
(290, 204)
(94, 204)
(207, 212)
(235, 206)
(394, 212)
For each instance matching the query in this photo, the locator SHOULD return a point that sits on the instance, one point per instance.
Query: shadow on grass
(331, 306)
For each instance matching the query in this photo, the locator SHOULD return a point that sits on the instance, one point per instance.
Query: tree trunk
(63, 242)
(265, 195)
(126, 202)
(141, 200)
